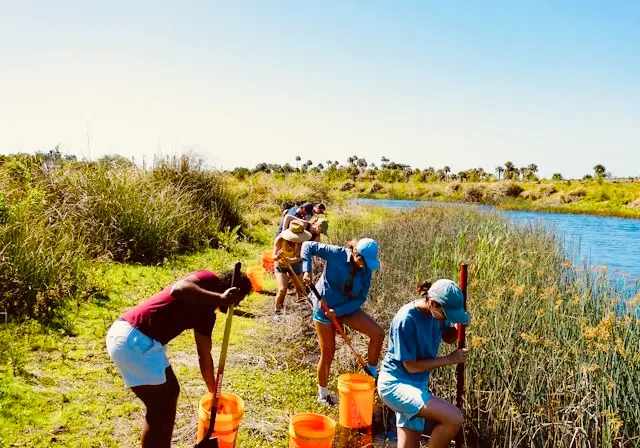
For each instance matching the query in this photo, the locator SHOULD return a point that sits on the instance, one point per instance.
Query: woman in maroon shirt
(136, 343)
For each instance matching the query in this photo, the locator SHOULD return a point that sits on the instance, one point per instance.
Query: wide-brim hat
(296, 232)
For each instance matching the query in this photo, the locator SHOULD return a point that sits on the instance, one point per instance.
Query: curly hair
(242, 283)
(423, 288)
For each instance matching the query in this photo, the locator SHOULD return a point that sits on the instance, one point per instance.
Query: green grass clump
(56, 215)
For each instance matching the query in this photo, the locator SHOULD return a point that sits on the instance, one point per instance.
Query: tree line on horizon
(390, 171)
(356, 167)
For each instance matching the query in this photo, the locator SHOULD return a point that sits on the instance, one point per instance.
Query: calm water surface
(600, 240)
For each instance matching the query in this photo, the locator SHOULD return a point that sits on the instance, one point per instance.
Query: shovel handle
(223, 357)
(338, 327)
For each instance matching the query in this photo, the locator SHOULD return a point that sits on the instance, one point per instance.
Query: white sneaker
(329, 400)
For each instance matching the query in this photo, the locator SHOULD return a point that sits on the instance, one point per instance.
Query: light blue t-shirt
(414, 335)
(338, 272)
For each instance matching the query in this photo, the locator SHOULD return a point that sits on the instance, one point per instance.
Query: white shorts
(141, 360)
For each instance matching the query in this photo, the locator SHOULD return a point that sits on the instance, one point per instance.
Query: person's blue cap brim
(456, 315)
(372, 263)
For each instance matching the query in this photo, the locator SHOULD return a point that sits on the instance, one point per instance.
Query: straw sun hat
(296, 233)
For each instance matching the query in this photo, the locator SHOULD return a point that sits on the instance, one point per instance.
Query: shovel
(209, 442)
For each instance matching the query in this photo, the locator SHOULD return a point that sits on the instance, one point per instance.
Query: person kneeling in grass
(414, 341)
(344, 284)
(136, 342)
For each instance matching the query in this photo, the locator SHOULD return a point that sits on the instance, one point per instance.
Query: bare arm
(289, 218)
(203, 344)
(424, 365)
(188, 290)
(277, 245)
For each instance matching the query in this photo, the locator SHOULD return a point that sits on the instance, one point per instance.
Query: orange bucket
(356, 400)
(311, 431)
(267, 260)
(230, 412)
(257, 276)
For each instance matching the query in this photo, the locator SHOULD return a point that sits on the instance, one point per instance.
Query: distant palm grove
(390, 171)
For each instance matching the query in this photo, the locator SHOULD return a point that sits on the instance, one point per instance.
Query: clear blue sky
(464, 84)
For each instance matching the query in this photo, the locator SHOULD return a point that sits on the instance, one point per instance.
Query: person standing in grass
(414, 341)
(136, 342)
(344, 284)
(286, 252)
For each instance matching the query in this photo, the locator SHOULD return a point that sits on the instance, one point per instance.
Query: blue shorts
(297, 268)
(405, 399)
(318, 316)
(140, 359)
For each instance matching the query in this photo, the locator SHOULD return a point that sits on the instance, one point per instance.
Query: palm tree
(508, 170)
(361, 163)
(298, 159)
(499, 170)
(446, 170)
(600, 170)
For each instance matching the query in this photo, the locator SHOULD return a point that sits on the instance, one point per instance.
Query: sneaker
(328, 400)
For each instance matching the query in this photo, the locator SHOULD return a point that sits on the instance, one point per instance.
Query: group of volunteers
(136, 342)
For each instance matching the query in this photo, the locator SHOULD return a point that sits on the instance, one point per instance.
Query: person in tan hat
(316, 227)
(286, 251)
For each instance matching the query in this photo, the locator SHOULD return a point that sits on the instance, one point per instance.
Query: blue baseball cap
(449, 295)
(368, 248)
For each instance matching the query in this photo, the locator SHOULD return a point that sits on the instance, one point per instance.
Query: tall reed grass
(55, 216)
(554, 349)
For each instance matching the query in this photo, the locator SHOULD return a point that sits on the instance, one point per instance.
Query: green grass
(66, 388)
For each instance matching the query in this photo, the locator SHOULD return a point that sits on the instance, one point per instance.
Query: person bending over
(136, 343)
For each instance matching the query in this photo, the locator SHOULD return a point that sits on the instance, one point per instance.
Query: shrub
(547, 191)
(452, 189)
(347, 186)
(474, 194)
(43, 262)
(506, 189)
(376, 187)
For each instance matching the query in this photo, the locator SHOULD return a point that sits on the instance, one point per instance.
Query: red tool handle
(338, 327)
(461, 344)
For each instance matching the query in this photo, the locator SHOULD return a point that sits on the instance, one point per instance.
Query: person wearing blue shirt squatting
(344, 284)
(414, 341)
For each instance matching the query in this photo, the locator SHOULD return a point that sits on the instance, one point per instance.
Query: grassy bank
(595, 197)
